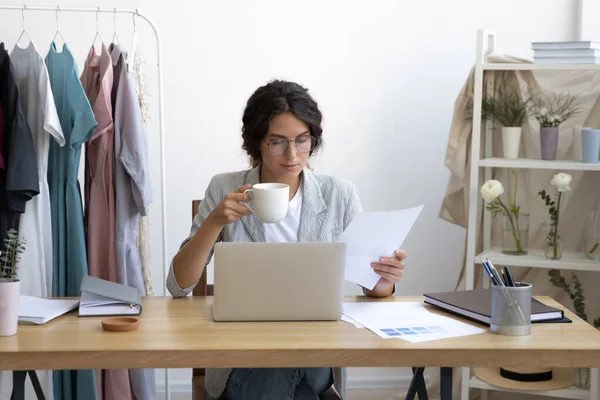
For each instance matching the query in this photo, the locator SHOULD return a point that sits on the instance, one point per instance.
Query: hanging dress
(135, 68)
(38, 105)
(97, 81)
(19, 181)
(68, 238)
(11, 124)
(133, 192)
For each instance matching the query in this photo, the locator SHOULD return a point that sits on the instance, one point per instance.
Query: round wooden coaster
(120, 324)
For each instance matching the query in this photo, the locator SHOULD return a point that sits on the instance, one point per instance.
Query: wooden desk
(180, 333)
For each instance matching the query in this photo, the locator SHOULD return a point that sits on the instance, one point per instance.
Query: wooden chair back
(201, 289)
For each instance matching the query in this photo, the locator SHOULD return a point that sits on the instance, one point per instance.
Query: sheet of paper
(409, 321)
(38, 310)
(372, 235)
(349, 320)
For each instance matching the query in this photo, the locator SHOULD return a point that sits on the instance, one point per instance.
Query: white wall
(590, 27)
(385, 73)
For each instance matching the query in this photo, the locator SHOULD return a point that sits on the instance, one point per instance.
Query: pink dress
(97, 81)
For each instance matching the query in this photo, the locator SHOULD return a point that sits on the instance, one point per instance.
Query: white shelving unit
(570, 393)
(539, 67)
(530, 163)
(534, 258)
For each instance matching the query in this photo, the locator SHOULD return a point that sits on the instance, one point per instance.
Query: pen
(495, 273)
(509, 277)
(488, 271)
(504, 278)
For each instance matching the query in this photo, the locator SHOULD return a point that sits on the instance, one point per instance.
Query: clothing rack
(135, 13)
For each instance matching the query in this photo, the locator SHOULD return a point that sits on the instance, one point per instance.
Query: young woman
(281, 130)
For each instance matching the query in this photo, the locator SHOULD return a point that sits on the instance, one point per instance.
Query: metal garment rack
(135, 13)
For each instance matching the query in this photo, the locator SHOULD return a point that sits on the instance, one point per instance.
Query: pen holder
(511, 309)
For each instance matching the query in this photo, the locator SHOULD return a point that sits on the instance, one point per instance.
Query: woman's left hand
(391, 268)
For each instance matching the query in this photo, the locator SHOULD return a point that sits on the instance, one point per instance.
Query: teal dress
(68, 238)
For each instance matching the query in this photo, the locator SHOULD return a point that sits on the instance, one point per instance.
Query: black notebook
(477, 305)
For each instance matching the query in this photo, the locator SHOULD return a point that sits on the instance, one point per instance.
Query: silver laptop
(278, 281)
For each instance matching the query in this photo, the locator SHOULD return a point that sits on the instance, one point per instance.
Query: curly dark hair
(270, 100)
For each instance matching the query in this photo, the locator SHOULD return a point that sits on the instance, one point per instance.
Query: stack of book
(587, 52)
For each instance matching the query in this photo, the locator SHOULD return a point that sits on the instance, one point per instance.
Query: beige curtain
(585, 194)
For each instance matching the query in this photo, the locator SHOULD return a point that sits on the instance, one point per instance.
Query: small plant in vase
(551, 111)
(511, 111)
(592, 252)
(515, 226)
(576, 294)
(561, 182)
(592, 235)
(10, 285)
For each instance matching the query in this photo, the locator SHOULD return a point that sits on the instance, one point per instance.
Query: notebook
(477, 305)
(37, 310)
(100, 297)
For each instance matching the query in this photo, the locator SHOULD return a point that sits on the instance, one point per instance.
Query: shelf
(540, 67)
(570, 393)
(532, 163)
(536, 259)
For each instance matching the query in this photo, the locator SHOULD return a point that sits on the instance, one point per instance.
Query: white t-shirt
(286, 230)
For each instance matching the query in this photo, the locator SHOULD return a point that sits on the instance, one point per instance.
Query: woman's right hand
(229, 209)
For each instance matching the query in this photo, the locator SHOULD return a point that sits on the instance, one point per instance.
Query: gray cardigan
(329, 204)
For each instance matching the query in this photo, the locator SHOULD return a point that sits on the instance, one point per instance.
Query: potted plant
(515, 225)
(576, 294)
(592, 235)
(10, 285)
(561, 182)
(511, 111)
(551, 111)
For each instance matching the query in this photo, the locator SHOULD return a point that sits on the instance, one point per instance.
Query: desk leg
(446, 383)
(417, 385)
(18, 392)
(37, 387)
(19, 378)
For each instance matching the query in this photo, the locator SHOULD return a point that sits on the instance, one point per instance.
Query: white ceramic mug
(270, 201)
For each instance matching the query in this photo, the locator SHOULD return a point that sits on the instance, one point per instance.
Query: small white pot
(9, 307)
(511, 141)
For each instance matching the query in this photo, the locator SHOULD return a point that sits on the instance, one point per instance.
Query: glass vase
(582, 378)
(554, 250)
(592, 236)
(553, 245)
(515, 234)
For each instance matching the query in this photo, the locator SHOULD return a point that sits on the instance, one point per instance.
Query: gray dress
(328, 207)
(133, 194)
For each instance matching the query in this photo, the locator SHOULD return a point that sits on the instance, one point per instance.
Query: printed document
(372, 235)
(410, 321)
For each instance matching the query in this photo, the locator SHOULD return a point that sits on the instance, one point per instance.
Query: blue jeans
(278, 383)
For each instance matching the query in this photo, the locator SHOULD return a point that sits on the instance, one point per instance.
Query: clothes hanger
(97, 29)
(115, 39)
(134, 38)
(57, 34)
(24, 31)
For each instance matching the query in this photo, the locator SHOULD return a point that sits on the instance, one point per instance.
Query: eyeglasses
(279, 146)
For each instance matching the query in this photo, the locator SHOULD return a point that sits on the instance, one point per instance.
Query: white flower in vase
(491, 190)
(561, 182)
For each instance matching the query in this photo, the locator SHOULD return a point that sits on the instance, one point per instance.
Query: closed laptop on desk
(278, 281)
